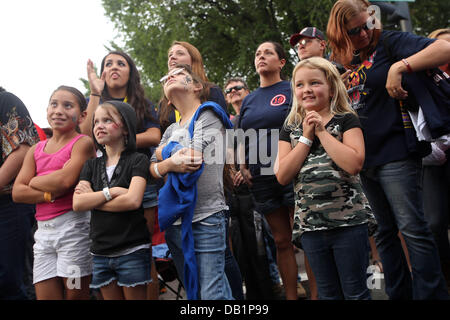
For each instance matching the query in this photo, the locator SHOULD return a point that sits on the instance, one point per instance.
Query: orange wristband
(48, 197)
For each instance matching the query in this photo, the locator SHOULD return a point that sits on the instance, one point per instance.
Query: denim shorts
(269, 195)
(150, 196)
(129, 270)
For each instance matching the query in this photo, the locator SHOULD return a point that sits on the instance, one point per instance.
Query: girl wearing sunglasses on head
(194, 216)
(181, 52)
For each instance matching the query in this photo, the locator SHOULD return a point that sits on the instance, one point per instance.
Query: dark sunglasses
(356, 31)
(237, 88)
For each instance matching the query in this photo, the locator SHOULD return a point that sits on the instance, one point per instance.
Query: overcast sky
(46, 43)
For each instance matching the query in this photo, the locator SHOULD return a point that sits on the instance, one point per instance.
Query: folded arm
(183, 161)
(22, 192)
(123, 199)
(60, 181)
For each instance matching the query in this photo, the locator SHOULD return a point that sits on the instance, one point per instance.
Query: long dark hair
(281, 54)
(135, 91)
(77, 93)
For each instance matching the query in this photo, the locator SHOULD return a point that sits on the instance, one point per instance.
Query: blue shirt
(380, 115)
(264, 108)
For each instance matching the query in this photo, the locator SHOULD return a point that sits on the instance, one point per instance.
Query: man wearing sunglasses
(309, 42)
(236, 90)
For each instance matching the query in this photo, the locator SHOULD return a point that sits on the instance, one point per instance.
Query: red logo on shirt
(278, 100)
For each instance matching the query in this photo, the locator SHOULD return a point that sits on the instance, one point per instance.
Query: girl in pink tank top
(49, 172)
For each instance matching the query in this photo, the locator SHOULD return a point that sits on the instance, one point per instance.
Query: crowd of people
(330, 162)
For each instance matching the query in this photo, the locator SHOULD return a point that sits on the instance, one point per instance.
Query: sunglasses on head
(164, 79)
(237, 88)
(356, 31)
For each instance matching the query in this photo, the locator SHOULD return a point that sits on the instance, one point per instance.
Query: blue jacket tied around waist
(178, 198)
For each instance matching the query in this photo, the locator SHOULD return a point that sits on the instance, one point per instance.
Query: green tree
(226, 32)
(429, 15)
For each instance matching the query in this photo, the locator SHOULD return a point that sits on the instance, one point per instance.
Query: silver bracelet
(155, 167)
(107, 194)
(305, 141)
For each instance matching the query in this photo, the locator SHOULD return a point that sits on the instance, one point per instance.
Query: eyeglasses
(237, 88)
(174, 72)
(356, 31)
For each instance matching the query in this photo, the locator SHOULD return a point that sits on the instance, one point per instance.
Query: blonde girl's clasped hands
(321, 149)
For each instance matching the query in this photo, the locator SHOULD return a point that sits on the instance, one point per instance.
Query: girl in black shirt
(112, 186)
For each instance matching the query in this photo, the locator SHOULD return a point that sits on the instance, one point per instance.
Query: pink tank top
(45, 164)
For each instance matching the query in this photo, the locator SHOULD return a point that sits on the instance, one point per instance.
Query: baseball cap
(308, 32)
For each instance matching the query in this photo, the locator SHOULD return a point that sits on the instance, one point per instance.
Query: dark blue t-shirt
(264, 108)
(380, 114)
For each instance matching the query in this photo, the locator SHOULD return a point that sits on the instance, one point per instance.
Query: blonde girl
(321, 149)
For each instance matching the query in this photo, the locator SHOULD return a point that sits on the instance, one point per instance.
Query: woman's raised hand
(97, 84)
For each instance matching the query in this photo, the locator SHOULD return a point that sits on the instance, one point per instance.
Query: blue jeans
(395, 195)
(209, 242)
(436, 199)
(150, 199)
(339, 259)
(16, 221)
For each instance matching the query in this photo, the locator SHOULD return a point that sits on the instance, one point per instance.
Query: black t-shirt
(112, 232)
(16, 126)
